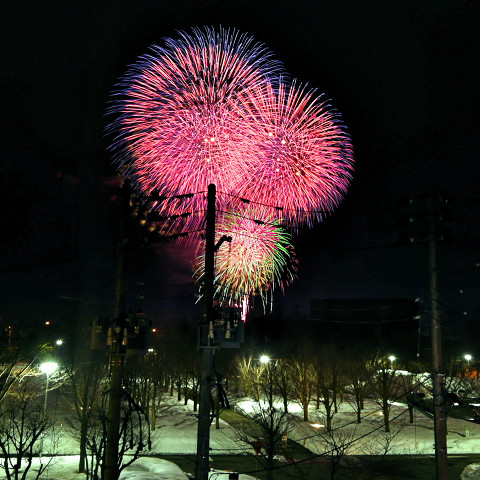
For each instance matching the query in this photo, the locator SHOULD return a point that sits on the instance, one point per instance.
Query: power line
(277, 207)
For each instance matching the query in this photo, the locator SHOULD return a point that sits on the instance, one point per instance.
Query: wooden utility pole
(203, 432)
(439, 396)
(117, 352)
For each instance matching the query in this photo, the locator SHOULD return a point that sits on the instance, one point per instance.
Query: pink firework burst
(303, 154)
(258, 258)
(179, 124)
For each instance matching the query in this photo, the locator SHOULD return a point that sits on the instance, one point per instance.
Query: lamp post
(47, 368)
(468, 357)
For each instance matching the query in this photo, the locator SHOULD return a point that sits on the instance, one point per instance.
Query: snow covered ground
(176, 434)
(408, 438)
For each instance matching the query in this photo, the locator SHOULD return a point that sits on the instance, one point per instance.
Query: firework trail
(303, 155)
(258, 258)
(179, 122)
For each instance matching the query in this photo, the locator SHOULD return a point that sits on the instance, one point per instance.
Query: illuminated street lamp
(264, 359)
(47, 368)
(467, 357)
(392, 359)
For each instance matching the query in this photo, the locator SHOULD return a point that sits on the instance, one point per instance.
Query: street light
(392, 359)
(264, 359)
(47, 368)
(467, 357)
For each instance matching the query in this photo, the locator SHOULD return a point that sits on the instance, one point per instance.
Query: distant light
(59, 341)
(154, 330)
(467, 357)
(317, 425)
(47, 322)
(264, 359)
(150, 350)
(392, 358)
(48, 367)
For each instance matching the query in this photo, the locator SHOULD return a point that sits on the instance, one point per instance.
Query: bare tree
(83, 392)
(357, 377)
(267, 382)
(267, 432)
(192, 374)
(382, 443)
(410, 385)
(18, 357)
(336, 445)
(145, 376)
(385, 387)
(134, 436)
(303, 380)
(23, 425)
(377, 448)
(248, 374)
(462, 379)
(283, 380)
(328, 383)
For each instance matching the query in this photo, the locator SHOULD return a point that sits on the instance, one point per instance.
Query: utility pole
(203, 431)
(439, 397)
(117, 352)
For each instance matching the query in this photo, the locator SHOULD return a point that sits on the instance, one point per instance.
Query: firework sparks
(258, 258)
(304, 160)
(210, 107)
(179, 123)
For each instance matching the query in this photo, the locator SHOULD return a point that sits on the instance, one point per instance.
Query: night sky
(404, 75)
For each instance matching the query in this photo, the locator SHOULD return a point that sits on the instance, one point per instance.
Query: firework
(303, 155)
(179, 122)
(258, 258)
(211, 107)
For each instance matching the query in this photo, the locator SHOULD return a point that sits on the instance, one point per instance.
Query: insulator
(228, 333)
(210, 331)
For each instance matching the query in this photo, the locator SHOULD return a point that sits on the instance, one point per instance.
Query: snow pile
(152, 469)
(471, 472)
